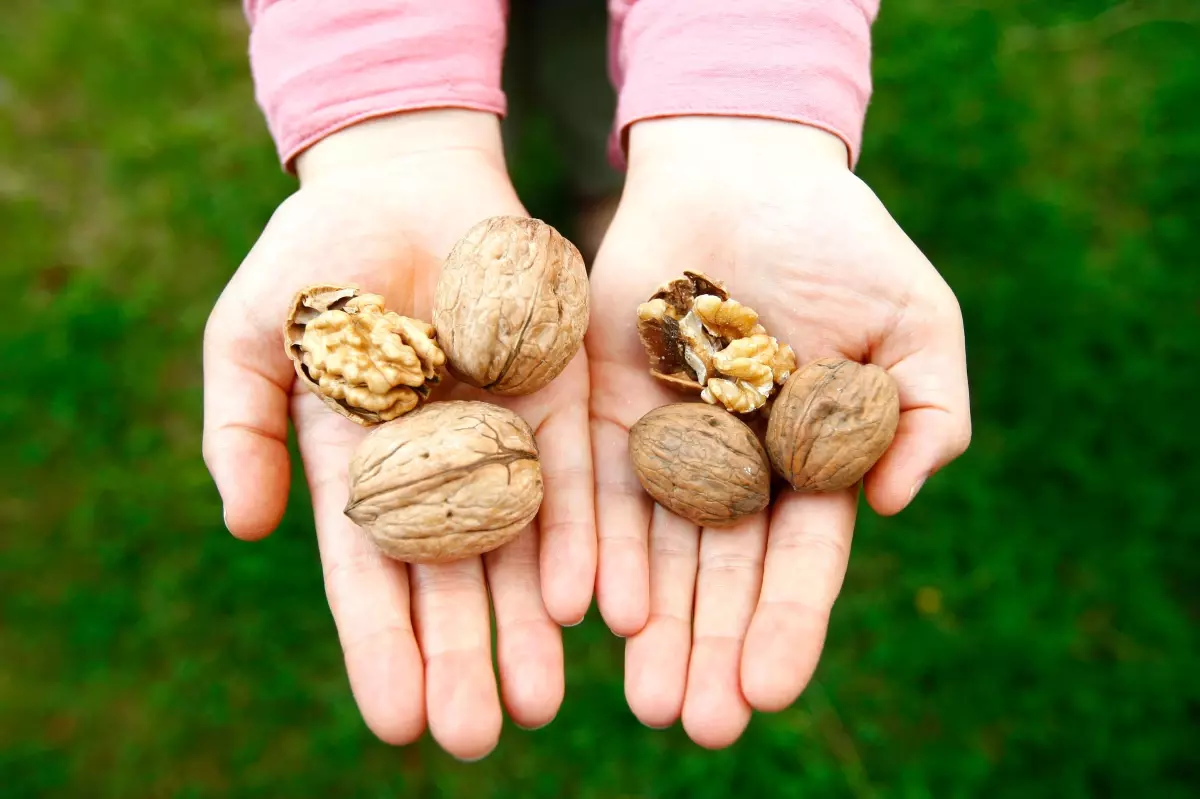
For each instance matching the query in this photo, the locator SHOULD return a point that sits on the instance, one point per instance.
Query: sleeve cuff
(320, 66)
(805, 61)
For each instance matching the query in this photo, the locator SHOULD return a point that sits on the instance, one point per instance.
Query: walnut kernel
(449, 481)
(701, 341)
(369, 364)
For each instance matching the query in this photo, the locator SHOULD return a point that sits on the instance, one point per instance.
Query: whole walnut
(365, 362)
(511, 306)
(831, 423)
(701, 463)
(448, 481)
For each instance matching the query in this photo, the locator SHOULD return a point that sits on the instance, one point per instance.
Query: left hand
(380, 205)
(720, 622)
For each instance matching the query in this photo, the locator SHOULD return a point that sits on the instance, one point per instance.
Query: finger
(623, 511)
(450, 608)
(807, 551)
(368, 593)
(656, 658)
(935, 414)
(529, 643)
(567, 520)
(247, 378)
(715, 712)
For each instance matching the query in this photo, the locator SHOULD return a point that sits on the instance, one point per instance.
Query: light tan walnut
(369, 364)
(511, 306)
(699, 340)
(448, 481)
(831, 423)
(701, 463)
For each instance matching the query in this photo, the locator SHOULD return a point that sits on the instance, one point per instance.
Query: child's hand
(381, 204)
(725, 621)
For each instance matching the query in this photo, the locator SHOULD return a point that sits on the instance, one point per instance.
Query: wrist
(404, 135)
(714, 142)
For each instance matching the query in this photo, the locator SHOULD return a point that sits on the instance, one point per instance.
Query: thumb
(247, 378)
(927, 356)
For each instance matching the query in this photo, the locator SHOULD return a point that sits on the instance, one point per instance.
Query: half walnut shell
(699, 340)
(679, 348)
(366, 363)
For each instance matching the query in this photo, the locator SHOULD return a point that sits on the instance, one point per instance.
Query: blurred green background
(1027, 628)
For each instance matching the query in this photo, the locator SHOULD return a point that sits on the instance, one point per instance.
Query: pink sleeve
(321, 65)
(800, 60)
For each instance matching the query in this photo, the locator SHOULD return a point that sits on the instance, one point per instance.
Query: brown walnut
(449, 481)
(511, 305)
(701, 463)
(831, 423)
(700, 340)
(369, 364)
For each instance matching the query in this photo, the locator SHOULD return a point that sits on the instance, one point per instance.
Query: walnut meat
(369, 364)
(702, 341)
(700, 463)
(511, 305)
(831, 423)
(448, 481)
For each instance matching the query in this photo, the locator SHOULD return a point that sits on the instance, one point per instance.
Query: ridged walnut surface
(701, 463)
(367, 363)
(831, 423)
(446, 482)
(511, 305)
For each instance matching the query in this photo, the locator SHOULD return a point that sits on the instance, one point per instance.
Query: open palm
(723, 621)
(416, 638)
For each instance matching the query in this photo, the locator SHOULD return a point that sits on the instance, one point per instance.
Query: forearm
(802, 61)
(321, 66)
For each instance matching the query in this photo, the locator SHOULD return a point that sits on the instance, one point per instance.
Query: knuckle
(730, 562)
(342, 574)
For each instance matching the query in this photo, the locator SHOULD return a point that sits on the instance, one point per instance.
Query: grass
(1026, 629)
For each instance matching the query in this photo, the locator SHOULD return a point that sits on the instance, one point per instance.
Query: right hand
(380, 205)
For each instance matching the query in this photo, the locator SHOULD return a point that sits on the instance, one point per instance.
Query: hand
(720, 622)
(380, 205)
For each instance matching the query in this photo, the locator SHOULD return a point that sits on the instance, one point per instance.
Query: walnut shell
(511, 305)
(831, 423)
(368, 364)
(701, 463)
(449, 481)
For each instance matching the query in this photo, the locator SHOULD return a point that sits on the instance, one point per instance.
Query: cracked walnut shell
(700, 463)
(452, 480)
(700, 340)
(511, 305)
(831, 423)
(369, 364)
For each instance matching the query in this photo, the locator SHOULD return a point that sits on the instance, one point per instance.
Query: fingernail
(917, 487)
(225, 518)
(650, 726)
(575, 623)
(471, 759)
(534, 728)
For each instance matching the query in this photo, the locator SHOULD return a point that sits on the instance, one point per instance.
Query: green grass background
(1046, 156)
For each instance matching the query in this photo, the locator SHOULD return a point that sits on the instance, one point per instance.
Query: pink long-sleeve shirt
(320, 66)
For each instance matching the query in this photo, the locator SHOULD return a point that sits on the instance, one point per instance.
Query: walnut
(451, 480)
(700, 463)
(699, 340)
(369, 364)
(831, 423)
(511, 305)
